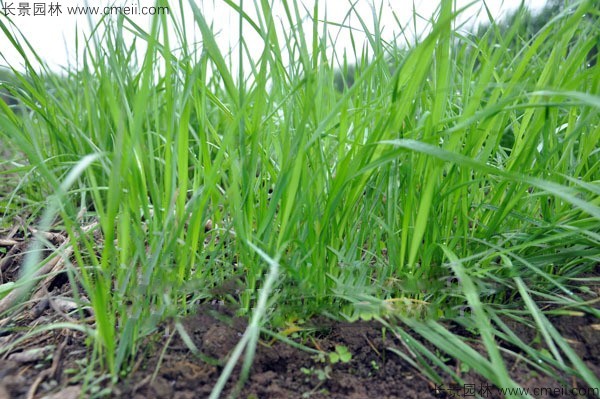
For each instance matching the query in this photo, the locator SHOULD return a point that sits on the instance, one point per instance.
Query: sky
(57, 38)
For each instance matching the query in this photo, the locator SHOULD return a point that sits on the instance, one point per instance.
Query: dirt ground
(49, 365)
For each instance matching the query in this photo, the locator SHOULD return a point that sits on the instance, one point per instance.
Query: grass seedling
(459, 170)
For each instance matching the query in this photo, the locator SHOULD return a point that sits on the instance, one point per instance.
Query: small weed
(464, 368)
(341, 354)
(322, 374)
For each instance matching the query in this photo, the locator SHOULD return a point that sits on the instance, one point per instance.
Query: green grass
(465, 175)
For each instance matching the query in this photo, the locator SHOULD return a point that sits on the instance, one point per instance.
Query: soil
(280, 370)
(166, 367)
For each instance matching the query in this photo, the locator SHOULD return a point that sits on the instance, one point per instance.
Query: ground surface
(49, 365)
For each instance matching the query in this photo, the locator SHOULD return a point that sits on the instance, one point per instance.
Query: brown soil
(282, 371)
(167, 368)
(279, 370)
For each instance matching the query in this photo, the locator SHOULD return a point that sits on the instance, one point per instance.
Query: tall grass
(465, 175)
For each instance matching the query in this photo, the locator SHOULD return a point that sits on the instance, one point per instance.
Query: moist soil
(50, 364)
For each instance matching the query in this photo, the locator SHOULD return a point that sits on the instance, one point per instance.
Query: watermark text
(29, 9)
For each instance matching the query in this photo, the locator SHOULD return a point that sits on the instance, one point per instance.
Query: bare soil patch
(50, 364)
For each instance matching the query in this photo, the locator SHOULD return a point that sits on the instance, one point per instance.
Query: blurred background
(58, 36)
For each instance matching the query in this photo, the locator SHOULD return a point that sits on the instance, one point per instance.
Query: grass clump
(466, 176)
